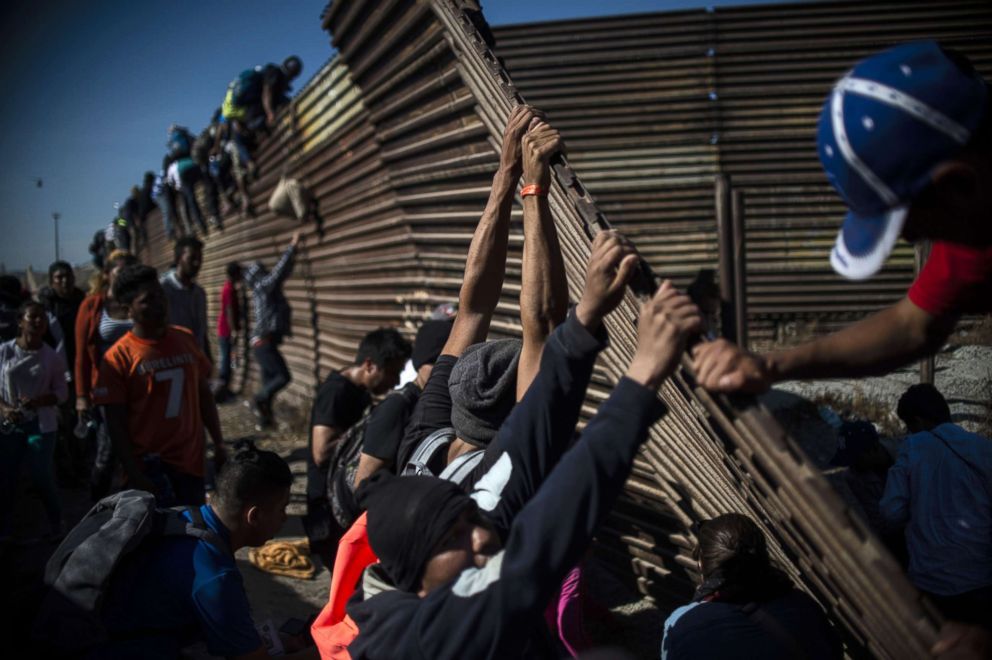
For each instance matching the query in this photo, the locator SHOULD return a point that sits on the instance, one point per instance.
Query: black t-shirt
(339, 403)
(386, 426)
(433, 409)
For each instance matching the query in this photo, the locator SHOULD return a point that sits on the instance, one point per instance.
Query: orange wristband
(533, 189)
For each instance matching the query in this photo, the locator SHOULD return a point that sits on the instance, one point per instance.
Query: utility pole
(55, 217)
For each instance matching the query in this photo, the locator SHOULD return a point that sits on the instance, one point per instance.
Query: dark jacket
(546, 519)
(272, 312)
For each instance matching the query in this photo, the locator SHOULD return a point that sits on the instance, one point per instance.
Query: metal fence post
(725, 242)
(740, 267)
(927, 364)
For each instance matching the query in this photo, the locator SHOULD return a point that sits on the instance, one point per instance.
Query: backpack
(179, 144)
(344, 464)
(430, 458)
(246, 88)
(78, 575)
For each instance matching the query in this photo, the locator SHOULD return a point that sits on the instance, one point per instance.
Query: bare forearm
(367, 466)
(878, 344)
(544, 290)
(486, 262)
(322, 445)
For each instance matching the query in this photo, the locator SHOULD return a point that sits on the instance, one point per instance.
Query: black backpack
(78, 575)
(344, 463)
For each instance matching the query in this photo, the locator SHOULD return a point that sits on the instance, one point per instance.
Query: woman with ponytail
(745, 607)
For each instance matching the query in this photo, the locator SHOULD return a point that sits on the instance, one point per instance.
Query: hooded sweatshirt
(545, 518)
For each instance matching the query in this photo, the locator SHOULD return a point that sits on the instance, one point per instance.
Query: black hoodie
(546, 519)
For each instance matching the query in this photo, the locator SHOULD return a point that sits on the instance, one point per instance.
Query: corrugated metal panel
(396, 138)
(651, 104)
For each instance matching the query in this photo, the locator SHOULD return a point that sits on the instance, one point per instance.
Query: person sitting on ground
(101, 321)
(272, 325)
(187, 299)
(182, 590)
(745, 602)
(471, 576)
(32, 384)
(153, 385)
(228, 327)
(941, 488)
(341, 401)
(925, 176)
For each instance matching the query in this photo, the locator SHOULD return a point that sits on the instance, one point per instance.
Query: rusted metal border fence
(397, 138)
(835, 556)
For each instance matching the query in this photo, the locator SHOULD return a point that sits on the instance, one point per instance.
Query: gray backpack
(431, 458)
(78, 575)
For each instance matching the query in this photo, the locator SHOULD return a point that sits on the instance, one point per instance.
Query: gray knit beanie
(483, 387)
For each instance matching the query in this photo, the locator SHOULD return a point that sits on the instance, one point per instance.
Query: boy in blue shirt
(182, 590)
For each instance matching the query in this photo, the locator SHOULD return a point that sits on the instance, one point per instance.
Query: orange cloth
(159, 382)
(333, 630)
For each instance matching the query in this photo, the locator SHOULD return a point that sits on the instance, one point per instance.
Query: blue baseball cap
(884, 127)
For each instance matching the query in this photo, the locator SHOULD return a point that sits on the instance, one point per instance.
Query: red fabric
(333, 641)
(227, 299)
(955, 280)
(87, 331)
(332, 627)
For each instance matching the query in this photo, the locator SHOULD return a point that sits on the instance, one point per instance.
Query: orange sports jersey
(159, 381)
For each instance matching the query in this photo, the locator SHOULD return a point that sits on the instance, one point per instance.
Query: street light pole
(55, 217)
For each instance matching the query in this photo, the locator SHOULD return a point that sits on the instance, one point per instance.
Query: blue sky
(91, 86)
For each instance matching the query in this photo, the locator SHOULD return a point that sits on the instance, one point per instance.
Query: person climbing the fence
(272, 325)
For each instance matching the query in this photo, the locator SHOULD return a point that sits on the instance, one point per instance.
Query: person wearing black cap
(471, 575)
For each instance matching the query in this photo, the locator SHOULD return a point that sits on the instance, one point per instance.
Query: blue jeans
(26, 441)
(224, 371)
(166, 203)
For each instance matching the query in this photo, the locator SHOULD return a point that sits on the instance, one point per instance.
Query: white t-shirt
(32, 374)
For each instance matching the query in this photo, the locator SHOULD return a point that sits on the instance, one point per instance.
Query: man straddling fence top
(906, 139)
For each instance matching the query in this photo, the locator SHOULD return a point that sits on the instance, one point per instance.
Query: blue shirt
(175, 593)
(947, 503)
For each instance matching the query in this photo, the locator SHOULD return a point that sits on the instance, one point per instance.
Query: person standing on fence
(272, 325)
(906, 139)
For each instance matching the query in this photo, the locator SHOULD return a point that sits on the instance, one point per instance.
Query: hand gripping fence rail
(734, 439)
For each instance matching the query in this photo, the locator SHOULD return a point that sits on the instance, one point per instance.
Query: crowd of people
(218, 162)
(454, 512)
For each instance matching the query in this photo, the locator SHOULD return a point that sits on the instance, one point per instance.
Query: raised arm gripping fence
(723, 455)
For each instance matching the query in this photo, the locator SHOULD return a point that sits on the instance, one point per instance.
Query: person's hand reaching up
(667, 321)
(611, 264)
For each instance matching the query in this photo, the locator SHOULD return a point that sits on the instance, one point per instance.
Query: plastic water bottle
(166, 496)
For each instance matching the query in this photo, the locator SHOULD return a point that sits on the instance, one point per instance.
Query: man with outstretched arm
(906, 139)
